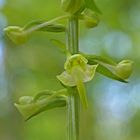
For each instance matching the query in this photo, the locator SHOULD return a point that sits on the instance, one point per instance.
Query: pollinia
(79, 67)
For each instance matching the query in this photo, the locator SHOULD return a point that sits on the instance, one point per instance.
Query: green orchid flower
(30, 106)
(76, 73)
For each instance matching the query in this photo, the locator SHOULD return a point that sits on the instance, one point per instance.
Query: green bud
(124, 68)
(91, 22)
(16, 34)
(72, 6)
(25, 100)
(90, 18)
(30, 106)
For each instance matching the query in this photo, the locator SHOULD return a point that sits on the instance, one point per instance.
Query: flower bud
(90, 18)
(25, 100)
(16, 34)
(124, 68)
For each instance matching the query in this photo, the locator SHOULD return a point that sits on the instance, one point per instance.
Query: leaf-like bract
(90, 4)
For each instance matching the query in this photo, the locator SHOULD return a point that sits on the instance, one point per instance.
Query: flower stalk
(73, 105)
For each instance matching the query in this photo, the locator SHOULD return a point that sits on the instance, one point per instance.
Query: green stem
(73, 45)
(73, 105)
(73, 115)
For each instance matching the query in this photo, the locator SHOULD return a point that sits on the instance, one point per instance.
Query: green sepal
(75, 60)
(31, 106)
(66, 79)
(100, 58)
(90, 18)
(124, 68)
(90, 4)
(72, 6)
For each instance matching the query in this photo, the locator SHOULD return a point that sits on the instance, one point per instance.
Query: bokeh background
(114, 110)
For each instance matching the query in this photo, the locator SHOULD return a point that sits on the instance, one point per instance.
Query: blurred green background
(114, 110)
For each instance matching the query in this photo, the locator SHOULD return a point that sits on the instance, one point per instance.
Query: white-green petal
(89, 72)
(86, 75)
(25, 100)
(66, 79)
